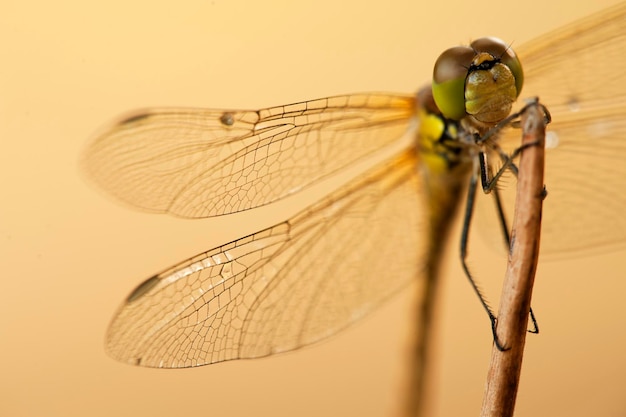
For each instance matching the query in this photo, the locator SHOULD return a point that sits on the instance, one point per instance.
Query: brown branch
(505, 366)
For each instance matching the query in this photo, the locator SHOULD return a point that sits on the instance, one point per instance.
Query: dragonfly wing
(284, 287)
(578, 73)
(201, 163)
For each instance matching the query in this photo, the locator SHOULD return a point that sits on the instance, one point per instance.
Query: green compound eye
(449, 76)
(482, 80)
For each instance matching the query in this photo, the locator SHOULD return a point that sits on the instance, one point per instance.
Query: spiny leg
(507, 240)
(488, 184)
(467, 218)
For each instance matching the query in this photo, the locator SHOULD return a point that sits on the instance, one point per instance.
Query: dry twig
(505, 366)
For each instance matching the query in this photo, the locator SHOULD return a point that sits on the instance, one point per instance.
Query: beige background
(68, 256)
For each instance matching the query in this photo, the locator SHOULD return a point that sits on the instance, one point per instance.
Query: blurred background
(69, 256)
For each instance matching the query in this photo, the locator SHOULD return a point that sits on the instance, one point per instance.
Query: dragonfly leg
(504, 227)
(489, 182)
(467, 218)
(508, 159)
(507, 240)
(535, 328)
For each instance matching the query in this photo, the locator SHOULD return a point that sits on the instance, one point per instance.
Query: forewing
(201, 163)
(284, 287)
(579, 73)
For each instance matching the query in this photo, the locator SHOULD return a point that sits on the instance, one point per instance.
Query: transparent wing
(579, 73)
(284, 287)
(201, 163)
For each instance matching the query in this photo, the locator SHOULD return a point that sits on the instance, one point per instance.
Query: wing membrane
(284, 287)
(578, 73)
(305, 279)
(202, 163)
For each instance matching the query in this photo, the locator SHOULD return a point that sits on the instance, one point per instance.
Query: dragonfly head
(482, 80)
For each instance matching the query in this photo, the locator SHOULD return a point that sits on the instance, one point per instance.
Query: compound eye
(449, 76)
(503, 53)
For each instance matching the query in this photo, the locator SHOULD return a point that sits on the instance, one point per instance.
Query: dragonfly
(310, 276)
